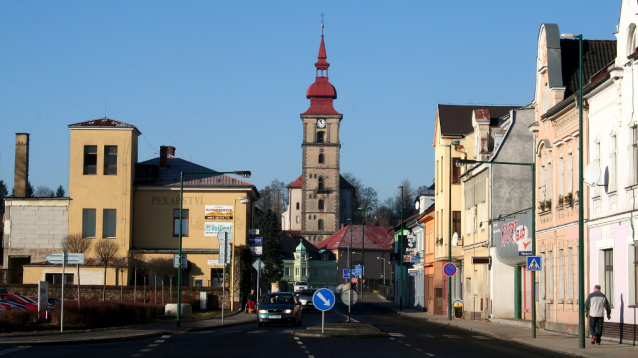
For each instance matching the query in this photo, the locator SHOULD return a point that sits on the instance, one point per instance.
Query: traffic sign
(323, 299)
(346, 299)
(449, 269)
(225, 236)
(534, 263)
(224, 254)
(258, 265)
(59, 258)
(347, 273)
(255, 240)
(176, 261)
(358, 270)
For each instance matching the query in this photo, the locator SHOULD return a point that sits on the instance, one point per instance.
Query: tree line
(41, 191)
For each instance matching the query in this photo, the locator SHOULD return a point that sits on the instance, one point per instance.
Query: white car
(300, 286)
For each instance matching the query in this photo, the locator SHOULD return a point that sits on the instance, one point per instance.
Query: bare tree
(162, 267)
(274, 197)
(137, 262)
(75, 243)
(106, 250)
(43, 192)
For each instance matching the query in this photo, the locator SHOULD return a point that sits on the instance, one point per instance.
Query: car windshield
(301, 283)
(278, 299)
(308, 292)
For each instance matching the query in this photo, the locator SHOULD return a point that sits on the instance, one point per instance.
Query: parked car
(279, 307)
(300, 286)
(305, 297)
(11, 298)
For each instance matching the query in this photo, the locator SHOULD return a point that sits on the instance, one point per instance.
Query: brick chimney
(21, 173)
(165, 151)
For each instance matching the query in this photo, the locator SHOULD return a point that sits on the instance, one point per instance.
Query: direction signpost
(323, 299)
(258, 265)
(64, 258)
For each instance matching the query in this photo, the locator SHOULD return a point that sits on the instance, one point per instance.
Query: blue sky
(225, 81)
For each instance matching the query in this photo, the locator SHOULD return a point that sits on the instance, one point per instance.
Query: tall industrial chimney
(21, 175)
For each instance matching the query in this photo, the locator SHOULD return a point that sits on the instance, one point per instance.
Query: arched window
(320, 204)
(320, 136)
(297, 219)
(320, 187)
(320, 158)
(320, 224)
(632, 41)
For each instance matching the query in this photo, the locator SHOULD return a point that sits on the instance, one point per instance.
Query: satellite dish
(455, 239)
(592, 174)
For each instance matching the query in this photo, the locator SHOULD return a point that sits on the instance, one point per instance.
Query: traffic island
(342, 330)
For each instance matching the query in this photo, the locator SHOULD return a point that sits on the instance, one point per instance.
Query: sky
(225, 81)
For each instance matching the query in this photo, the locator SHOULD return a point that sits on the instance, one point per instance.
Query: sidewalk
(512, 331)
(127, 333)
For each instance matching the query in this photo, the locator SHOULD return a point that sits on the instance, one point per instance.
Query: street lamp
(381, 258)
(581, 233)
(244, 174)
(401, 254)
(449, 246)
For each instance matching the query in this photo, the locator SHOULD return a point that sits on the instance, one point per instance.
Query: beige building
(137, 205)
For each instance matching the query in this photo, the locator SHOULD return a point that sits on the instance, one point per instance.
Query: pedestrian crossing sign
(533, 263)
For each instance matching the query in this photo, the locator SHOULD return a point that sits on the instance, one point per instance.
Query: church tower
(321, 181)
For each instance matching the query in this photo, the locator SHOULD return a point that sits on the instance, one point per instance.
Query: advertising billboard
(216, 218)
(511, 236)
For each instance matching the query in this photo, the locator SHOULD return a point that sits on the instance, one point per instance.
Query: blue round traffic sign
(323, 299)
(449, 269)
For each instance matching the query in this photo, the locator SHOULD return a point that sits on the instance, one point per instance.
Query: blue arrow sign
(323, 299)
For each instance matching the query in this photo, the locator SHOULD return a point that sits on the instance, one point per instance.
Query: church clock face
(321, 123)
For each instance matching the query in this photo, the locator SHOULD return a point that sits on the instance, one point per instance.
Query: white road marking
(299, 342)
(145, 350)
(12, 350)
(409, 345)
(153, 345)
(430, 354)
(396, 334)
(302, 347)
(451, 336)
(481, 337)
(160, 341)
(166, 336)
(419, 349)
(296, 338)
(137, 355)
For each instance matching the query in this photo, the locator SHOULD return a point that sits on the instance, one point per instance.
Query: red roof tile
(376, 238)
(104, 122)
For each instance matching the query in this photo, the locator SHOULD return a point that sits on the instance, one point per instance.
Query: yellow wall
(99, 191)
(89, 275)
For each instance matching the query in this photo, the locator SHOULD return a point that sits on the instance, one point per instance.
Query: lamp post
(381, 258)
(401, 254)
(581, 230)
(449, 246)
(244, 174)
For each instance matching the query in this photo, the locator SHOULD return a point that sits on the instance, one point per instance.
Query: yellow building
(136, 205)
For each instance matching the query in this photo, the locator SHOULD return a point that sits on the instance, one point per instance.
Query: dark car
(305, 297)
(279, 307)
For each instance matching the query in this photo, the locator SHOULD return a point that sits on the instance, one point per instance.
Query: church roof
(321, 93)
(376, 238)
(170, 175)
(104, 123)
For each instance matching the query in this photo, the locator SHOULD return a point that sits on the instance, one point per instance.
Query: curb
(87, 341)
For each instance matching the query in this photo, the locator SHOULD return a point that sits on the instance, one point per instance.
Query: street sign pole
(62, 303)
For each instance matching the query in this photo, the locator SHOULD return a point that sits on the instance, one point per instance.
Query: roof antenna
(104, 108)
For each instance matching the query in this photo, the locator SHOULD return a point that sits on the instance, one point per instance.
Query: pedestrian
(251, 301)
(595, 307)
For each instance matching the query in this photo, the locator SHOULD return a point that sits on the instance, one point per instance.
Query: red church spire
(321, 93)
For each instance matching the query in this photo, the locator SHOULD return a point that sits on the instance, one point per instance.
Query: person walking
(595, 307)
(251, 302)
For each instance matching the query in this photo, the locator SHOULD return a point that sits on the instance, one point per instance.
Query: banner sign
(511, 238)
(218, 213)
(211, 229)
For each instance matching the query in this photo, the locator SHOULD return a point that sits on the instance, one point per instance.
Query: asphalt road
(408, 338)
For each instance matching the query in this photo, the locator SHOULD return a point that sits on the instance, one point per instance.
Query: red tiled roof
(376, 238)
(297, 183)
(457, 119)
(104, 122)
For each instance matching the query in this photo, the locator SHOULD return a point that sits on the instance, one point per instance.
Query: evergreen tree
(60, 193)
(4, 192)
(269, 227)
(29, 190)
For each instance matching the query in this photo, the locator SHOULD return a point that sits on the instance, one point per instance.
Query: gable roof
(104, 123)
(457, 119)
(170, 175)
(597, 54)
(376, 238)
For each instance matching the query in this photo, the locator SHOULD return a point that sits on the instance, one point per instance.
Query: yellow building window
(90, 159)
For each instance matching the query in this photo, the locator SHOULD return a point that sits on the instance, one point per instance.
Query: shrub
(98, 314)
(17, 319)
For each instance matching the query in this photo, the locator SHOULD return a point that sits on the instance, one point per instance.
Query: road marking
(137, 355)
(299, 342)
(302, 347)
(296, 338)
(419, 349)
(153, 345)
(166, 336)
(426, 335)
(12, 350)
(307, 351)
(481, 337)
(409, 345)
(145, 350)
(396, 334)
(430, 354)
(160, 341)
(451, 336)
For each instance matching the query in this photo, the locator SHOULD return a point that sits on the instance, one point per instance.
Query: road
(408, 338)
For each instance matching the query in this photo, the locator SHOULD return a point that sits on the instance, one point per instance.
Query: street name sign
(323, 299)
(59, 258)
